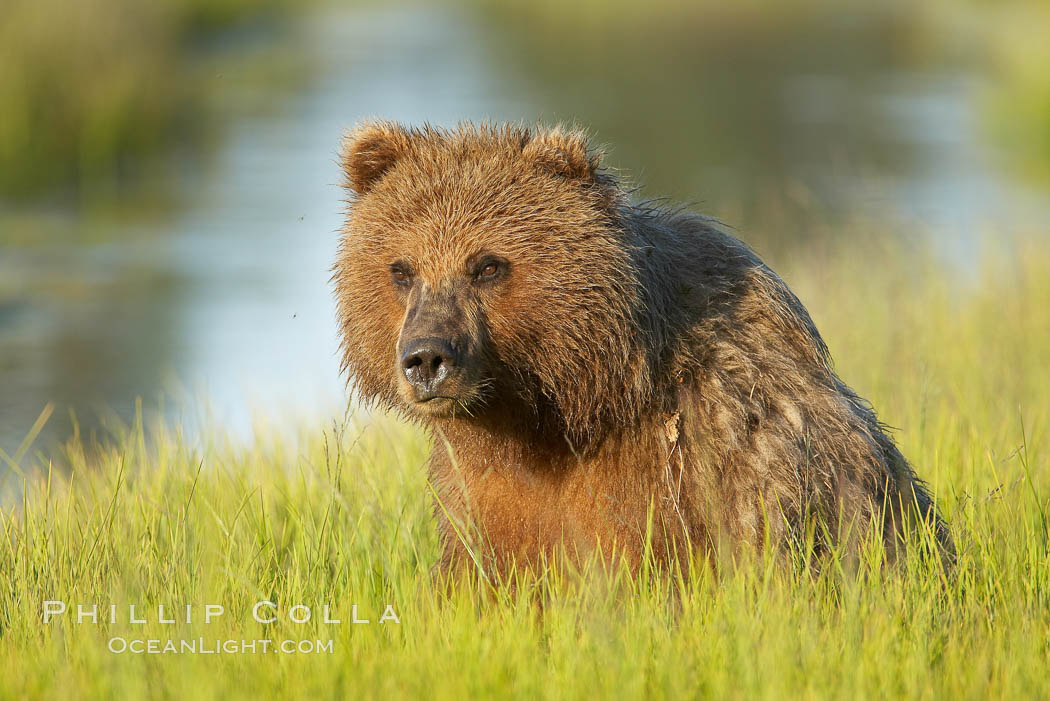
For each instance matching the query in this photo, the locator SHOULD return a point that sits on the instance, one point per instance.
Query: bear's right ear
(370, 150)
(563, 152)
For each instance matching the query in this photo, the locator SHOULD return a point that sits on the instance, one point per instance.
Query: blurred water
(229, 297)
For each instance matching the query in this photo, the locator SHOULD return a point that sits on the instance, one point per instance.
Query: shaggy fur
(632, 373)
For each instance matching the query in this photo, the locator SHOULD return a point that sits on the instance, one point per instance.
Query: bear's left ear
(563, 153)
(370, 150)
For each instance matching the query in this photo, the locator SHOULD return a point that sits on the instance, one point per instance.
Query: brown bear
(595, 373)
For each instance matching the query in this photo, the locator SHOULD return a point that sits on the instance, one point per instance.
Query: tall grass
(341, 515)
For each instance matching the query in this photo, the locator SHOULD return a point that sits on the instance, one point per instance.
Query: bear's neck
(530, 495)
(517, 440)
(521, 443)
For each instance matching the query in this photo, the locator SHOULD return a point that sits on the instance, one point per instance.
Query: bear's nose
(426, 363)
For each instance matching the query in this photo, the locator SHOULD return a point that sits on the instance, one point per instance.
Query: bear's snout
(427, 363)
(437, 360)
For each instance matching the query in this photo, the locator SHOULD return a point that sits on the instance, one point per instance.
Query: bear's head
(487, 271)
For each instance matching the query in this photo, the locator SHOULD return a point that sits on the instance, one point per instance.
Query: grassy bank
(90, 88)
(960, 364)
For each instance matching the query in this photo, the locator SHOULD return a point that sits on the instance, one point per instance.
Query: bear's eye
(489, 269)
(401, 275)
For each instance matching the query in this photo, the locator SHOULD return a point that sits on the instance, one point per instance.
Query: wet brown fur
(639, 370)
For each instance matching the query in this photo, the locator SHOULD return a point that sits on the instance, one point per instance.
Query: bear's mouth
(438, 405)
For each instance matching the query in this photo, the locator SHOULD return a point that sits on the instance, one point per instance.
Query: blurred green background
(168, 187)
